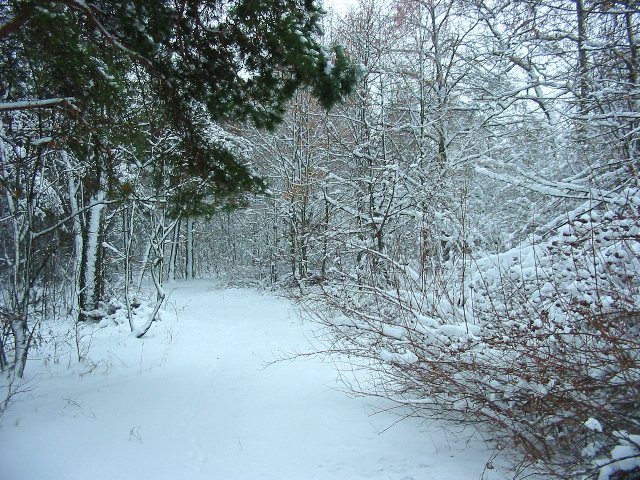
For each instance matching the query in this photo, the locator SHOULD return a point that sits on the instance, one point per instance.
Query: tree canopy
(196, 61)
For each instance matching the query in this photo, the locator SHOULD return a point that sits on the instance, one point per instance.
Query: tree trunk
(21, 344)
(76, 232)
(91, 269)
(173, 256)
(189, 271)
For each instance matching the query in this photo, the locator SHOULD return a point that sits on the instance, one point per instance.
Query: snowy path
(194, 401)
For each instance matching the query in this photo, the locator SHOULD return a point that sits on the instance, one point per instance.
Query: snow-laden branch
(554, 189)
(36, 104)
(69, 217)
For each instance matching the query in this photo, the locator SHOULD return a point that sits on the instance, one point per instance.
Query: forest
(449, 187)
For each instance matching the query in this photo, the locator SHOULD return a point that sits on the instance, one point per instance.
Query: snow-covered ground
(193, 400)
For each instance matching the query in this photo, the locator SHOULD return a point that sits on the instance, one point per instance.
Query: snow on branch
(36, 104)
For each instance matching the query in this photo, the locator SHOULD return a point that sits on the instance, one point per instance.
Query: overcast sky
(340, 5)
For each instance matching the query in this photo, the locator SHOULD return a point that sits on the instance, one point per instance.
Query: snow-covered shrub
(540, 343)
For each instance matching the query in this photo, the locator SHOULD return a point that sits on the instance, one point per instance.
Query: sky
(340, 6)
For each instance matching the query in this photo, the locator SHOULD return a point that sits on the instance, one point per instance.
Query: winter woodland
(464, 224)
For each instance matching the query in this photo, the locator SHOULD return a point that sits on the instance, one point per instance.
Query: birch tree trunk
(18, 177)
(91, 268)
(76, 232)
(173, 256)
(189, 266)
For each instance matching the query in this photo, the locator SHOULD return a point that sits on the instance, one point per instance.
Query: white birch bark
(91, 248)
(189, 248)
(78, 242)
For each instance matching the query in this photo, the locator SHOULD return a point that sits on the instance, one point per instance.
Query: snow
(406, 358)
(593, 424)
(398, 333)
(195, 399)
(624, 458)
(343, 321)
(29, 104)
(458, 330)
